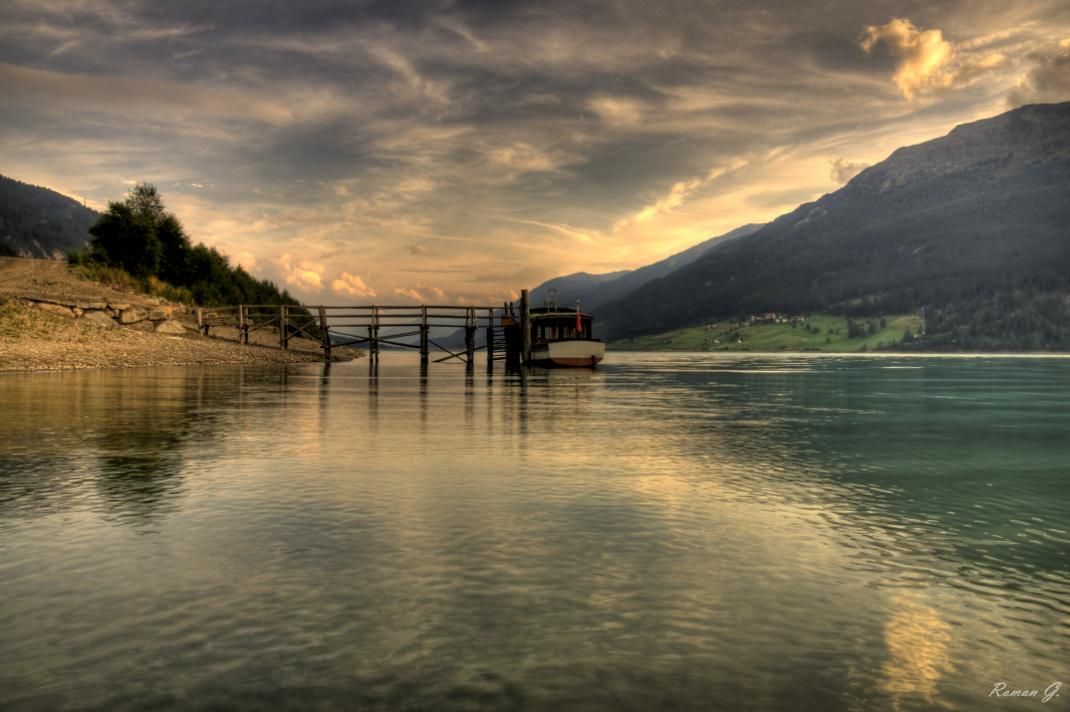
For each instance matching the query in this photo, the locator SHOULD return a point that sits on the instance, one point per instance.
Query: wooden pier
(507, 328)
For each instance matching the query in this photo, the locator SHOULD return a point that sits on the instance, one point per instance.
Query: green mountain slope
(815, 332)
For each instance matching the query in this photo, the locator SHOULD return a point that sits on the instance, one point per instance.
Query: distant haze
(458, 151)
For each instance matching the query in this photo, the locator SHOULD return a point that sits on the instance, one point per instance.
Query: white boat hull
(580, 353)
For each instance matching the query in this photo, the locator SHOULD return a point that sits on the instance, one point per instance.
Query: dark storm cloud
(500, 138)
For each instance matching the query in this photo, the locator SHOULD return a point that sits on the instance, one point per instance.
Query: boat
(563, 338)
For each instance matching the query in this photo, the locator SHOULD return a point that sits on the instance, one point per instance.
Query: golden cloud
(924, 59)
(351, 285)
(680, 193)
(302, 275)
(420, 293)
(922, 56)
(246, 260)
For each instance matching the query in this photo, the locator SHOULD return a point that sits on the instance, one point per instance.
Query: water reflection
(918, 649)
(127, 433)
(676, 531)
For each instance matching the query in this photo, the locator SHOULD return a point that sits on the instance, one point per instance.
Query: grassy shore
(818, 332)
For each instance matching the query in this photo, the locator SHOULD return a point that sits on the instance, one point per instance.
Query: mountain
(974, 227)
(580, 286)
(38, 222)
(594, 290)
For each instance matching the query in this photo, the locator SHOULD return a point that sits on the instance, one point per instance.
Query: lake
(671, 531)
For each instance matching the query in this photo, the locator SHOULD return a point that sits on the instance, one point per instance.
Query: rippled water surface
(668, 532)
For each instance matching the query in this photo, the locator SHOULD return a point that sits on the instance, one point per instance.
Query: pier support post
(525, 328)
(424, 336)
(326, 334)
(490, 340)
(284, 323)
(243, 327)
(470, 336)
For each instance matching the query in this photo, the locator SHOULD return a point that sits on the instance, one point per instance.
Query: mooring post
(525, 327)
(490, 338)
(470, 335)
(284, 318)
(243, 328)
(200, 322)
(326, 335)
(424, 335)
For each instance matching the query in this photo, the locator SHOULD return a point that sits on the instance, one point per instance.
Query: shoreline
(43, 342)
(859, 354)
(52, 320)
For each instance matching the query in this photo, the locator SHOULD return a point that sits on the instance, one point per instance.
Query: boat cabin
(549, 325)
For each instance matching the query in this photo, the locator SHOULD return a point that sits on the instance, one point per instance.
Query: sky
(455, 152)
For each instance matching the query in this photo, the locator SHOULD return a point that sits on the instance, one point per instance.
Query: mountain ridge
(973, 225)
(595, 290)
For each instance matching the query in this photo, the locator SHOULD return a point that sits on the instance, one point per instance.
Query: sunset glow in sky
(455, 151)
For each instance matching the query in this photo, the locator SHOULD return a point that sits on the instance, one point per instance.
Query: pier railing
(507, 327)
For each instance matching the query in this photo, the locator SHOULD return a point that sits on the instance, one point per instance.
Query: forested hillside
(973, 227)
(38, 222)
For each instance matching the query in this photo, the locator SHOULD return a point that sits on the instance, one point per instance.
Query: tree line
(139, 236)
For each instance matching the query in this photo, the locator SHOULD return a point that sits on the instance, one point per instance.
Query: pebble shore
(40, 335)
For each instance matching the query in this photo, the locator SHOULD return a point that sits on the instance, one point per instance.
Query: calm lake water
(672, 531)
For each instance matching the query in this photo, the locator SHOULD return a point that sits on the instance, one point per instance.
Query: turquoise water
(671, 531)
